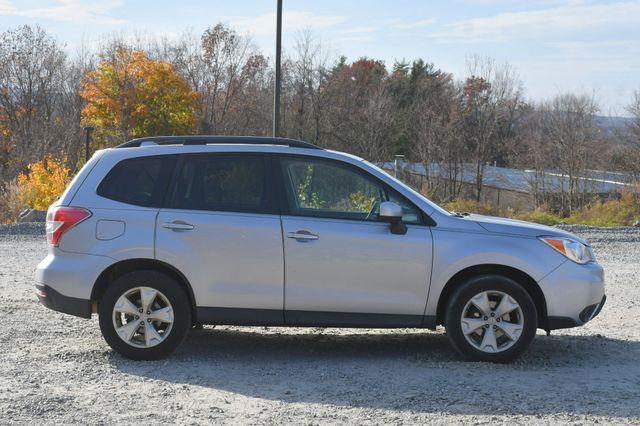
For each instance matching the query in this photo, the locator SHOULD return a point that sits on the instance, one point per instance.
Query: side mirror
(392, 213)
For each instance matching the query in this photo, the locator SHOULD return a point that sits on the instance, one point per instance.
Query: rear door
(220, 228)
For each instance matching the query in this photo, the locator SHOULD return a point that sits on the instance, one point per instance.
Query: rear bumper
(71, 274)
(65, 304)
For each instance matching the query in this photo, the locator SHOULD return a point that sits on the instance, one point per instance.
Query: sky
(555, 46)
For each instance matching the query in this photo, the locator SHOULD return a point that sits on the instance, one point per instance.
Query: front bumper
(65, 304)
(574, 294)
(586, 315)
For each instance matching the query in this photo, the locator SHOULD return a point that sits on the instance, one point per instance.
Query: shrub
(44, 183)
(10, 203)
(542, 217)
(472, 206)
(622, 212)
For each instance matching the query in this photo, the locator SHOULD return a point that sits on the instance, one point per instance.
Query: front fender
(454, 251)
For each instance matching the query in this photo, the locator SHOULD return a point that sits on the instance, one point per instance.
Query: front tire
(491, 318)
(144, 315)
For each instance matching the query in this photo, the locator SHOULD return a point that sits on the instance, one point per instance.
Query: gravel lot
(56, 368)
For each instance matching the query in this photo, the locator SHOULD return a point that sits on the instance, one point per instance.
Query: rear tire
(491, 318)
(144, 315)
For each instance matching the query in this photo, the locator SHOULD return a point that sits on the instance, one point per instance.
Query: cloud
(359, 30)
(76, 11)
(409, 25)
(599, 44)
(571, 16)
(355, 39)
(291, 21)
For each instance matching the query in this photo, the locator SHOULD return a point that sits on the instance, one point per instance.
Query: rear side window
(223, 182)
(141, 181)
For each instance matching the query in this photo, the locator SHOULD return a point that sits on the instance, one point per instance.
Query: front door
(221, 230)
(343, 266)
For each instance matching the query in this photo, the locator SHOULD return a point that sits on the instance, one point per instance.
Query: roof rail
(206, 140)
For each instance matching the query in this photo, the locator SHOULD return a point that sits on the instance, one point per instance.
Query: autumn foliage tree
(131, 95)
(43, 183)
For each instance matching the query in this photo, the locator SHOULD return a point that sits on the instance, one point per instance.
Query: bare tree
(631, 153)
(433, 126)
(305, 79)
(493, 99)
(568, 124)
(32, 80)
(230, 61)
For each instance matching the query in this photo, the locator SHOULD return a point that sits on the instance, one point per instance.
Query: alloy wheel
(492, 321)
(143, 317)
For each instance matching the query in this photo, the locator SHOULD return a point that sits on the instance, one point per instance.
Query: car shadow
(405, 370)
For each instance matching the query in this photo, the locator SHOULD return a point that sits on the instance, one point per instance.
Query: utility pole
(398, 163)
(87, 142)
(276, 94)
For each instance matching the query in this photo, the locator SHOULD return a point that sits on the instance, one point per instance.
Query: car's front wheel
(491, 318)
(144, 315)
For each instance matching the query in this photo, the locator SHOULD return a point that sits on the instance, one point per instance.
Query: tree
(130, 95)
(231, 78)
(360, 116)
(306, 77)
(632, 151)
(32, 94)
(43, 183)
(428, 108)
(570, 131)
(493, 101)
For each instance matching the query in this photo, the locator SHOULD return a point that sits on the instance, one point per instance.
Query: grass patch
(624, 211)
(542, 217)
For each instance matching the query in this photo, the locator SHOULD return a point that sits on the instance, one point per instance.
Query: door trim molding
(276, 317)
(239, 316)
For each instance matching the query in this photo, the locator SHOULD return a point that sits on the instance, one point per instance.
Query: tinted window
(222, 182)
(329, 189)
(142, 181)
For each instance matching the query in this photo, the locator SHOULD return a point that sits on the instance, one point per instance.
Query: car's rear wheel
(144, 315)
(491, 318)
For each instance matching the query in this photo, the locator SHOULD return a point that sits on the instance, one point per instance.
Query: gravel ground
(56, 368)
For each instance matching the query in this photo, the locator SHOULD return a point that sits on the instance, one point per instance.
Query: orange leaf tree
(44, 183)
(130, 95)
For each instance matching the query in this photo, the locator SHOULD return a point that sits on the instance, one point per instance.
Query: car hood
(501, 225)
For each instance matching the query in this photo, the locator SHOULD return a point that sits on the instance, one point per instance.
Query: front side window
(323, 188)
(222, 182)
(140, 181)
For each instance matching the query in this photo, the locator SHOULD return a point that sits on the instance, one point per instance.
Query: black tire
(170, 289)
(473, 287)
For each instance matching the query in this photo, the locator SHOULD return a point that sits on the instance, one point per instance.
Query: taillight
(61, 219)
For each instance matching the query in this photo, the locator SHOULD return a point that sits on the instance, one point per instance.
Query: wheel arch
(521, 277)
(123, 267)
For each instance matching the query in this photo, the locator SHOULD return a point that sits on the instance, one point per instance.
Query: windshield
(413, 191)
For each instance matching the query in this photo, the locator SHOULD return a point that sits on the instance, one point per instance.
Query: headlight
(574, 250)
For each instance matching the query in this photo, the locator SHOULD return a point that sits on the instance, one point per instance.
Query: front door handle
(302, 235)
(178, 225)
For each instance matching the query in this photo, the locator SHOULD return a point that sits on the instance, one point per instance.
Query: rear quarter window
(140, 181)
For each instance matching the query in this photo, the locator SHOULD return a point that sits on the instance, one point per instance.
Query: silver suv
(160, 234)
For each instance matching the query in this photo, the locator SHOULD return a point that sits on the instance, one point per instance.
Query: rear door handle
(178, 225)
(302, 235)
